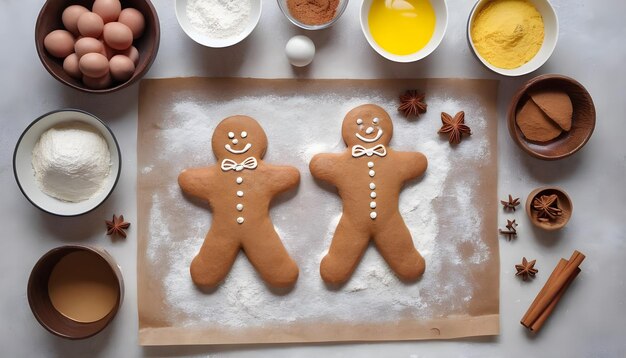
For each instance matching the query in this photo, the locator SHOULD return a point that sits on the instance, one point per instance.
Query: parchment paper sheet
(451, 213)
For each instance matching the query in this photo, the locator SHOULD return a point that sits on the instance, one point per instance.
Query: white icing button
(372, 186)
(373, 205)
(240, 220)
(372, 173)
(244, 134)
(239, 207)
(240, 193)
(373, 195)
(231, 135)
(373, 215)
(235, 141)
(239, 180)
(370, 164)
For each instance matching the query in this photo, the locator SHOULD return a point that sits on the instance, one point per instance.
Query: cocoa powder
(313, 12)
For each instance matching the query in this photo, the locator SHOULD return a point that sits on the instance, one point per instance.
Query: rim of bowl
(19, 141)
(403, 58)
(41, 53)
(203, 41)
(504, 71)
(520, 141)
(341, 8)
(100, 252)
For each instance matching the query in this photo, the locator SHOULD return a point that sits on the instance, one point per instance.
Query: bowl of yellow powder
(513, 37)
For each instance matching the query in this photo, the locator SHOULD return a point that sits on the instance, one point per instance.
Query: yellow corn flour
(508, 33)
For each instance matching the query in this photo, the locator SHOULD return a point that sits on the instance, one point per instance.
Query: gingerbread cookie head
(368, 124)
(239, 137)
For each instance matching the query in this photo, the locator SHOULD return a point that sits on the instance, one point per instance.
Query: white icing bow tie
(248, 163)
(359, 151)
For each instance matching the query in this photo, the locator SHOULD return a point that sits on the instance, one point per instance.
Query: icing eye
(375, 120)
(359, 121)
(244, 134)
(231, 135)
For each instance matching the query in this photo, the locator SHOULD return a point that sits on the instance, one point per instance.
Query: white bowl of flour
(218, 23)
(67, 162)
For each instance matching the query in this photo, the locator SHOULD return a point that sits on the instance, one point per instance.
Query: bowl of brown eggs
(97, 46)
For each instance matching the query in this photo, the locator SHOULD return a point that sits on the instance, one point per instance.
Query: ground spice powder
(508, 33)
(313, 12)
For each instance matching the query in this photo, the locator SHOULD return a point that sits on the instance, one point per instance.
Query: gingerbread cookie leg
(214, 260)
(395, 244)
(270, 258)
(347, 248)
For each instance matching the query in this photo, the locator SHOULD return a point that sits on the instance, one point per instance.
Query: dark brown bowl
(563, 201)
(583, 118)
(50, 19)
(42, 307)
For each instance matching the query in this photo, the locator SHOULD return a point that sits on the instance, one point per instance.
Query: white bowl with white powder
(67, 162)
(218, 23)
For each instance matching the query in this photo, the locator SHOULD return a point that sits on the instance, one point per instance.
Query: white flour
(71, 161)
(299, 127)
(219, 18)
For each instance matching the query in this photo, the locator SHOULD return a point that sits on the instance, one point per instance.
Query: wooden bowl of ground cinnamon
(551, 117)
(312, 14)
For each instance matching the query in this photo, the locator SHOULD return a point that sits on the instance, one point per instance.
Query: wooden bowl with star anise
(549, 208)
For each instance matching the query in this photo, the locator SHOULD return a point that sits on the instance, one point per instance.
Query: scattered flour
(307, 221)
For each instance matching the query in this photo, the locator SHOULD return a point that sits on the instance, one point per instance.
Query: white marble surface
(591, 318)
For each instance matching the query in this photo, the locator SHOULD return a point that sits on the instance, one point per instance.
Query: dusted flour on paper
(440, 209)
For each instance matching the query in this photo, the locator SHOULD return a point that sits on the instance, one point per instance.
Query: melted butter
(402, 27)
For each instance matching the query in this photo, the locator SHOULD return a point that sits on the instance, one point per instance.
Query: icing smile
(235, 151)
(369, 131)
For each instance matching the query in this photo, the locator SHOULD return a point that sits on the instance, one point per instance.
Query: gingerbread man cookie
(239, 191)
(369, 176)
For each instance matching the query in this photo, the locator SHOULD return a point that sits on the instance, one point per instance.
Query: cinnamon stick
(558, 282)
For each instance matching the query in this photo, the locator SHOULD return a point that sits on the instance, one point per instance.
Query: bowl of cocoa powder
(313, 14)
(551, 117)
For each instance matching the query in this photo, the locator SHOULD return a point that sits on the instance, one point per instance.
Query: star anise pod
(412, 103)
(526, 269)
(510, 204)
(547, 206)
(454, 127)
(510, 231)
(117, 226)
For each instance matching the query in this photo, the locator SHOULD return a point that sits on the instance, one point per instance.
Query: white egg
(300, 50)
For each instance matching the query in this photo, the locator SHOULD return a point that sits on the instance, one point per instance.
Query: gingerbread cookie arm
(282, 178)
(322, 167)
(414, 164)
(197, 182)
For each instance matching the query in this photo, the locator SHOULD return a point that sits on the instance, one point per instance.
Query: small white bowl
(441, 24)
(341, 7)
(25, 174)
(215, 42)
(551, 35)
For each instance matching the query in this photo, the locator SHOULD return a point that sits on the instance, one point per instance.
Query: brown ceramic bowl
(563, 201)
(42, 307)
(583, 118)
(148, 45)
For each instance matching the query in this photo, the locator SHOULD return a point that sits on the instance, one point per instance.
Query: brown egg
(109, 10)
(121, 68)
(70, 17)
(98, 82)
(117, 35)
(59, 43)
(108, 51)
(134, 20)
(70, 65)
(86, 45)
(90, 24)
(94, 65)
(131, 53)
